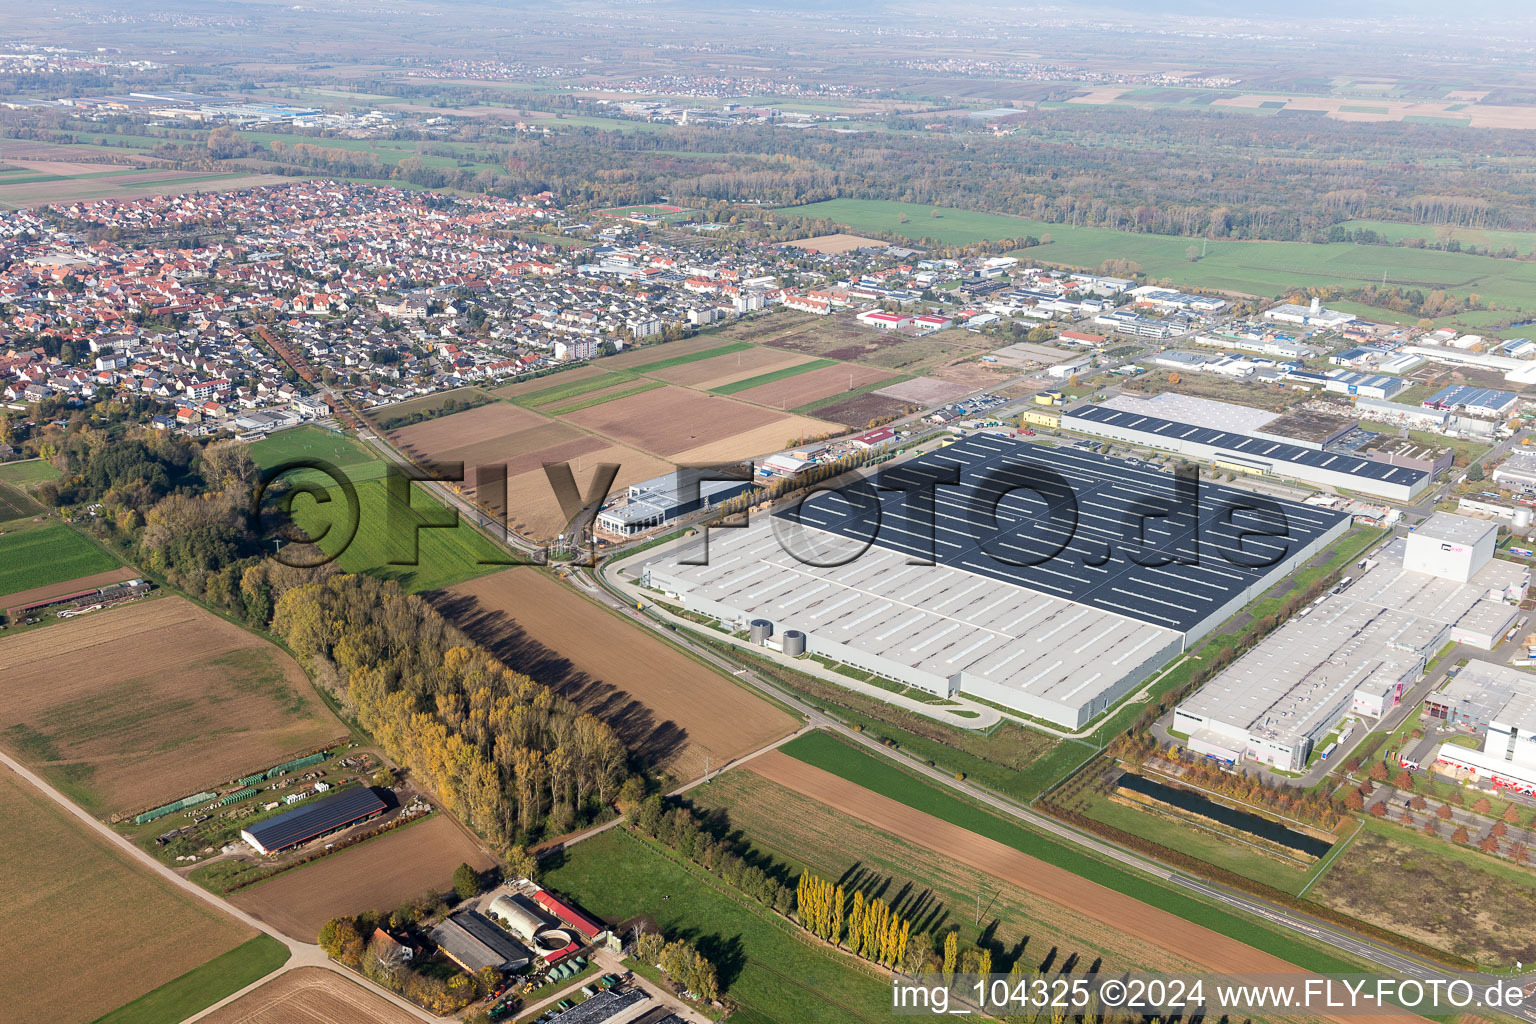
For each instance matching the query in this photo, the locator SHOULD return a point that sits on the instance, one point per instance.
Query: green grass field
(571, 389)
(1252, 268)
(203, 986)
(309, 442)
(52, 554)
(25, 474)
(444, 556)
(639, 388)
(831, 754)
(765, 964)
(708, 353)
(1521, 241)
(775, 375)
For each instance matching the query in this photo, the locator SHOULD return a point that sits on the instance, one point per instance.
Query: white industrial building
(1500, 703)
(1061, 641)
(1313, 315)
(1518, 472)
(1359, 648)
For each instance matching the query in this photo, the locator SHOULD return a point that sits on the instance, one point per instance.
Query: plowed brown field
(82, 929)
(670, 710)
(133, 706)
(310, 995)
(380, 874)
(805, 388)
(1212, 950)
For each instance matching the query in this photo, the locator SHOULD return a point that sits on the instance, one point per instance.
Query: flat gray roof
(1388, 618)
(1455, 529)
(933, 618)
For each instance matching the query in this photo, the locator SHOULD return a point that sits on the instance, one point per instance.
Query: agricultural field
(203, 986)
(802, 831)
(1248, 268)
(138, 705)
(843, 338)
(26, 474)
(1522, 242)
(671, 421)
(728, 369)
(670, 710)
(1427, 889)
(808, 386)
(54, 174)
(310, 995)
(378, 874)
(53, 590)
(51, 554)
(764, 963)
(549, 380)
(15, 503)
(877, 783)
(76, 908)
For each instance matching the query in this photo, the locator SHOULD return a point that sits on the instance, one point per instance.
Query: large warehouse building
(1358, 649)
(1197, 428)
(1062, 638)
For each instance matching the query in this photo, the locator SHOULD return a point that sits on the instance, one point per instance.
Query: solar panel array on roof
(1253, 447)
(1112, 535)
(316, 819)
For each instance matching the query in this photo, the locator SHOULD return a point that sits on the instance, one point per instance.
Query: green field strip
(708, 353)
(203, 986)
(809, 409)
(571, 389)
(775, 375)
(34, 471)
(639, 389)
(43, 557)
(827, 752)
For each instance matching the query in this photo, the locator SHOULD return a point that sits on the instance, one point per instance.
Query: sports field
(83, 930)
(51, 554)
(379, 874)
(1252, 268)
(138, 705)
(387, 543)
(670, 710)
(310, 995)
(311, 442)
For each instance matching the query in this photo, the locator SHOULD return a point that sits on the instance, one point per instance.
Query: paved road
(301, 954)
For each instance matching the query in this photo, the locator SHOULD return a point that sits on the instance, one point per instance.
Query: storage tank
(762, 629)
(1522, 517)
(794, 643)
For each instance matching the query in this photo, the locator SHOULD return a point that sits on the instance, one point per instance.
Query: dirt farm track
(1212, 950)
(668, 708)
(310, 995)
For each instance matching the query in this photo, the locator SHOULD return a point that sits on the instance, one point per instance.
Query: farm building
(996, 594)
(1359, 648)
(522, 917)
(1160, 423)
(474, 943)
(317, 819)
